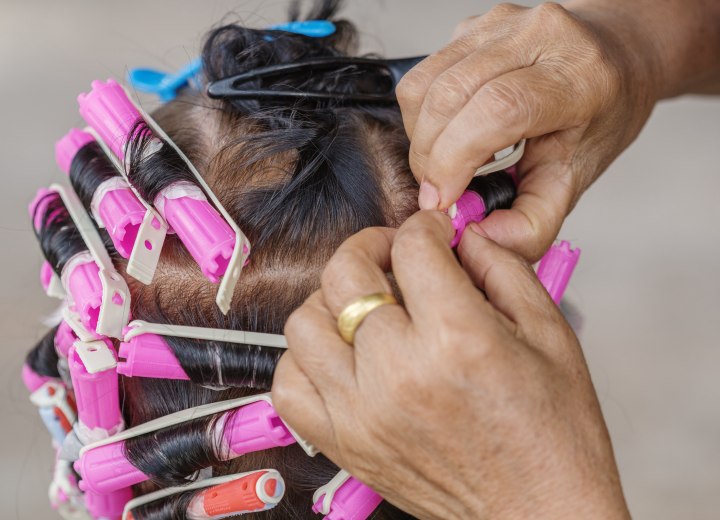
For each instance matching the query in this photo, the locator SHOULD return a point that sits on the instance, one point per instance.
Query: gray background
(647, 283)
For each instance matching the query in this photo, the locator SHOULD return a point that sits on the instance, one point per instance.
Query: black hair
(59, 238)
(88, 170)
(43, 358)
(497, 190)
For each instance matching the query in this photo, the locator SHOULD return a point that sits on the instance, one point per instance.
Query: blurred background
(647, 283)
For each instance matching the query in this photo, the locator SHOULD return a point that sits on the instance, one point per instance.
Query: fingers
(509, 282)
(299, 403)
(434, 286)
(501, 113)
(358, 268)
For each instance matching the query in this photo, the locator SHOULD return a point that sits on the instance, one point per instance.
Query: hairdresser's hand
(471, 401)
(578, 88)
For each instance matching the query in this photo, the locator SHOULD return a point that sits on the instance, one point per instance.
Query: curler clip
(115, 307)
(345, 497)
(556, 267)
(51, 282)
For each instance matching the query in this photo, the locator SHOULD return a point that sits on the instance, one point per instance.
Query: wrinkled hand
(578, 91)
(471, 400)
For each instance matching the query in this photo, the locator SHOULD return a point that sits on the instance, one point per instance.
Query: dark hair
(59, 238)
(43, 359)
(298, 177)
(89, 168)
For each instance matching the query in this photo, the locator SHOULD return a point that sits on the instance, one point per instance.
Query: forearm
(675, 43)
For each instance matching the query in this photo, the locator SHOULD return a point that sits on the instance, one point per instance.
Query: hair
(298, 176)
(89, 168)
(43, 359)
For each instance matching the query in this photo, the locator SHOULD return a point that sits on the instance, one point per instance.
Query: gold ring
(353, 315)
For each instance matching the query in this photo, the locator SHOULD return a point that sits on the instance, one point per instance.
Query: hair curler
(56, 407)
(114, 205)
(108, 506)
(345, 498)
(80, 276)
(556, 267)
(253, 427)
(64, 339)
(148, 355)
(203, 231)
(50, 282)
(95, 382)
(258, 491)
(470, 207)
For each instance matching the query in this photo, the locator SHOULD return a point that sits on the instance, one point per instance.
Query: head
(298, 177)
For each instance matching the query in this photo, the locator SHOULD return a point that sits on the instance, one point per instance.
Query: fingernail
(429, 198)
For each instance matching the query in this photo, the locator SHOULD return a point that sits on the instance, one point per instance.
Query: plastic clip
(311, 28)
(470, 207)
(556, 268)
(345, 498)
(50, 281)
(56, 409)
(163, 84)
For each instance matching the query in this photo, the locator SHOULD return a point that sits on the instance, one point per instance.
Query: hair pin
(556, 268)
(393, 69)
(345, 497)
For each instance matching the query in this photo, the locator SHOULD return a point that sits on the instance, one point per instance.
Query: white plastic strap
(175, 191)
(200, 484)
(146, 251)
(329, 490)
(96, 356)
(138, 327)
(83, 257)
(55, 288)
(108, 185)
(73, 320)
(503, 162)
(242, 244)
(115, 306)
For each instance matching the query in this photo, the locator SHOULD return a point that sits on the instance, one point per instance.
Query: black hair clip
(367, 69)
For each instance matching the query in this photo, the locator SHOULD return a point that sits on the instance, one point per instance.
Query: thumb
(545, 197)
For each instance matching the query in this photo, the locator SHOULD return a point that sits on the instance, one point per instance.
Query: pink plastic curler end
(108, 506)
(32, 379)
(46, 275)
(255, 427)
(352, 501)
(112, 115)
(84, 285)
(69, 145)
(470, 207)
(556, 268)
(121, 213)
(105, 469)
(38, 206)
(148, 355)
(64, 339)
(203, 231)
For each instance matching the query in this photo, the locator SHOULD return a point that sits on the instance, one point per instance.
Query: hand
(578, 91)
(472, 400)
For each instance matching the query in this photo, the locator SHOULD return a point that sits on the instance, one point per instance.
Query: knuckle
(466, 25)
(551, 12)
(503, 10)
(444, 96)
(411, 89)
(297, 324)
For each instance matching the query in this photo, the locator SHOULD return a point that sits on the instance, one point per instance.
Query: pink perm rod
(253, 427)
(114, 205)
(108, 506)
(64, 339)
(556, 268)
(80, 276)
(95, 382)
(148, 355)
(203, 231)
(470, 207)
(352, 500)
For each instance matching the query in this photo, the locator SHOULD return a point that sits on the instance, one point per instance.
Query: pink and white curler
(108, 506)
(95, 382)
(50, 282)
(80, 276)
(556, 268)
(148, 355)
(56, 407)
(64, 339)
(203, 231)
(469, 208)
(253, 427)
(345, 498)
(114, 205)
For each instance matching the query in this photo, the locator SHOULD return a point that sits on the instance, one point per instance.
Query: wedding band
(353, 315)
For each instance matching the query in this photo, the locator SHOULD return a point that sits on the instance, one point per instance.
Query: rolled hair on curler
(43, 359)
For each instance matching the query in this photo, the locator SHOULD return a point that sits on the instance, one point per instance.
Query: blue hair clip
(164, 85)
(312, 28)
